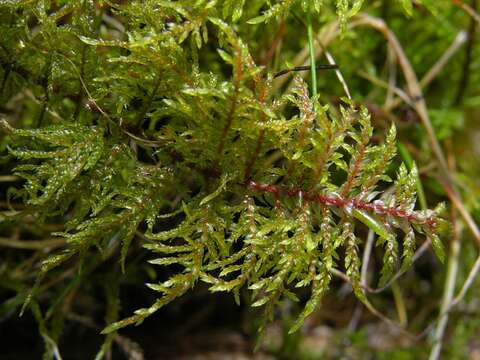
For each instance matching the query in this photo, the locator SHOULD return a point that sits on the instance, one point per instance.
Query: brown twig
(277, 40)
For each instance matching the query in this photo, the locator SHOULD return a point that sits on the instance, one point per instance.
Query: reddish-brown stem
(354, 170)
(275, 43)
(343, 202)
(323, 156)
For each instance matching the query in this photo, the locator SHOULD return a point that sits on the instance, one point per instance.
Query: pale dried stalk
(463, 211)
(367, 251)
(467, 284)
(402, 95)
(452, 271)
(459, 41)
(9, 178)
(340, 77)
(373, 310)
(392, 77)
(413, 86)
(469, 10)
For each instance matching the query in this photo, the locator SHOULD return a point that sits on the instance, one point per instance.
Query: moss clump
(155, 123)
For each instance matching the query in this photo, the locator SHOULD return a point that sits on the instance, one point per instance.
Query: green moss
(154, 123)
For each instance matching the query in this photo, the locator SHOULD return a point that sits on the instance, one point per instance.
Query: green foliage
(152, 123)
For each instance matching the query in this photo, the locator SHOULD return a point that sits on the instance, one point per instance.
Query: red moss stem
(343, 202)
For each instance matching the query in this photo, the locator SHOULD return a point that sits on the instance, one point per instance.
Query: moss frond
(136, 135)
